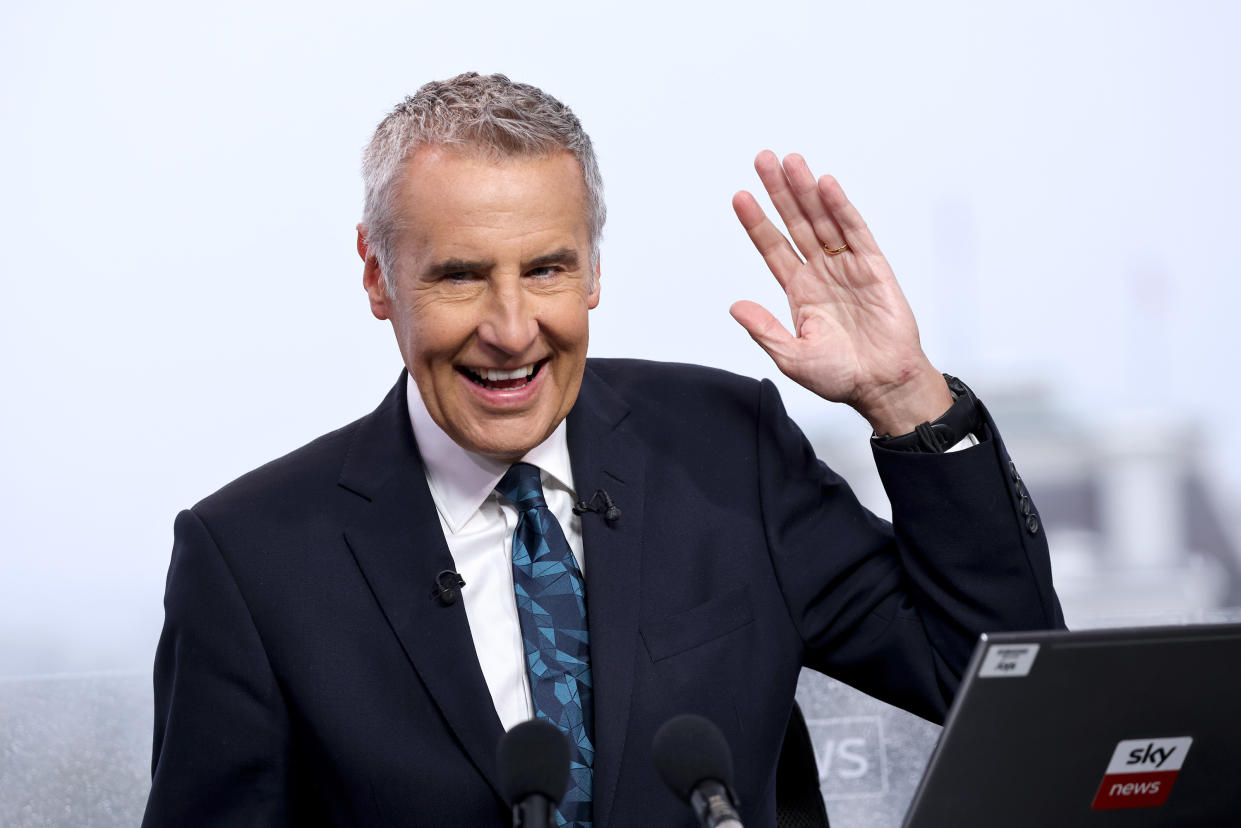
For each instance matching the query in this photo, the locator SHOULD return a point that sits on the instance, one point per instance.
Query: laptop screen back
(1128, 727)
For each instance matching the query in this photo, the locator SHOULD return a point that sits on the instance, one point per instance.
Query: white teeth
(496, 374)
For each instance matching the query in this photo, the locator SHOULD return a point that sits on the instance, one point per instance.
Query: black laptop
(1120, 727)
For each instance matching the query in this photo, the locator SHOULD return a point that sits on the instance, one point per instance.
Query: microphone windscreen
(534, 759)
(689, 749)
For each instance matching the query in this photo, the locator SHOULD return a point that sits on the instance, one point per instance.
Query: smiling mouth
(498, 379)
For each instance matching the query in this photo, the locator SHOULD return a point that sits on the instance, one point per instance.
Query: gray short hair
(478, 113)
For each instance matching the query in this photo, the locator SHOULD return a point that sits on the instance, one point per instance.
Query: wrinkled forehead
(450, 199)
(428, 159)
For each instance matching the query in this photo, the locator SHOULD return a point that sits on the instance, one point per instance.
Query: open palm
(854, 336)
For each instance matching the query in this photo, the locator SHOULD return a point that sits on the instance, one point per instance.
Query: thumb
(764, 329)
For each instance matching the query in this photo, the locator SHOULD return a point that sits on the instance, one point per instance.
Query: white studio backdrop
(1055, 183)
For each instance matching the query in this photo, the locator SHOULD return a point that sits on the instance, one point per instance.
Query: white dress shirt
(479, 525)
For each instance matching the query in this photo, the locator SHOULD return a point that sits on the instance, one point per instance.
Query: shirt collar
(461, 480)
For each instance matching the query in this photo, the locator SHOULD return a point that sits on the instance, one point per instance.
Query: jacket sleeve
(221, 729)
(896, 609)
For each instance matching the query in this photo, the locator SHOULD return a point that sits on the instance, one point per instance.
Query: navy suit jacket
(307, 676)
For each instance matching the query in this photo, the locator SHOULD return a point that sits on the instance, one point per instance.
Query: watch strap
(960, 420)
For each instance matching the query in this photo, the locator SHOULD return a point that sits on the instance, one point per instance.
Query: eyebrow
(457, 266)
(565, 256)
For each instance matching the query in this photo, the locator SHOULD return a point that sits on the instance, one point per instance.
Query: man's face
(489, 294)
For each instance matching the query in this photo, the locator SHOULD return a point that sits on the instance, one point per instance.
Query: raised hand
(855, 340)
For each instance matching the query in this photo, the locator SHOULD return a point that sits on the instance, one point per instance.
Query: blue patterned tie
(551, 602)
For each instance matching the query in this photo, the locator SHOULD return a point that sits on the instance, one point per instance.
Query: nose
(509, 322)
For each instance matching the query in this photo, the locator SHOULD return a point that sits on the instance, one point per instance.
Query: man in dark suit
(318, 665)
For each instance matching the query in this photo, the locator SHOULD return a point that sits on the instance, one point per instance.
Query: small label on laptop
(1141, 773)
(1007, 660)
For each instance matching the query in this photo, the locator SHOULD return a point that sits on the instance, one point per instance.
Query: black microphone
(534, 772)
(693, 759)
(447, 586)
(610, 511)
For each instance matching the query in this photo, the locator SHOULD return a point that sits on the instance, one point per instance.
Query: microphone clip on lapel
(600, 503)
(447, 586)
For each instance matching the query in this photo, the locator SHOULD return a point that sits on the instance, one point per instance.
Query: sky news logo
(1141, 773)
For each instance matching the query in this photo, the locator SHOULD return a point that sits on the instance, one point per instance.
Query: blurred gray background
(1054, 183)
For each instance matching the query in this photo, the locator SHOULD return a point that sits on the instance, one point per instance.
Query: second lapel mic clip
(600, 503)
(447, 586)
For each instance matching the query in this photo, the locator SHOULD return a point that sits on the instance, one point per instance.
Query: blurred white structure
(1138, 533)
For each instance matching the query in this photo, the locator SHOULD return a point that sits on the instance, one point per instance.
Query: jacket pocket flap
(699, 625)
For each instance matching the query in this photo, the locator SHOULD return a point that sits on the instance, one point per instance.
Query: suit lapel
(606, 456)
(399, 546)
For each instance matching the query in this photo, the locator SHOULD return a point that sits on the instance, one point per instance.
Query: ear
(372, 278)
(592, 298)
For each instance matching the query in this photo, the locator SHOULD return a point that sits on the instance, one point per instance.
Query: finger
(771, 244)
(827, 234)
(766, 330)
(786, 203)
(846, 216)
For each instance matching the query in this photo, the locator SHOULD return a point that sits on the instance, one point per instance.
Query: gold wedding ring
(836, 251)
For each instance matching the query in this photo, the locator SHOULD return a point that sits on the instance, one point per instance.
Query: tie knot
(521, 486)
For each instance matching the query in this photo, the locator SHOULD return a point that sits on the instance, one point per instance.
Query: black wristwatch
(961, 419)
